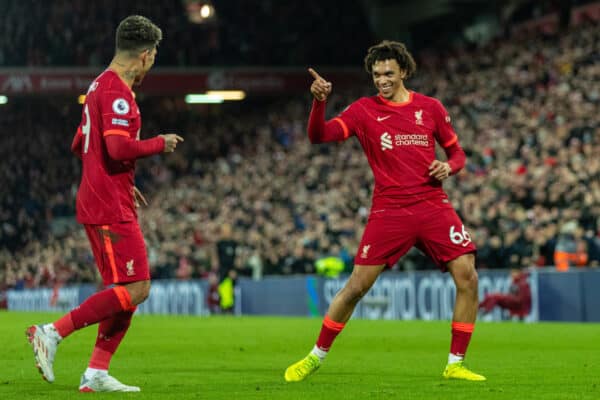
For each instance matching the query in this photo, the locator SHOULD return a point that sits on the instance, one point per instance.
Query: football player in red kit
(398, 130)
(108, 143)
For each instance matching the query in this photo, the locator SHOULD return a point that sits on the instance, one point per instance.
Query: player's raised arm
(320, 131)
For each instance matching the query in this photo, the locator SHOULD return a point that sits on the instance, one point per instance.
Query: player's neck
(125, 69)
(401, 96)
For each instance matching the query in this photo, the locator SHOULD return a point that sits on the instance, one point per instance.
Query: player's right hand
(171, 141)
(320, 88)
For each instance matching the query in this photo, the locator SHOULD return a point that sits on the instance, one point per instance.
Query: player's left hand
(138, 198)
(440, 170)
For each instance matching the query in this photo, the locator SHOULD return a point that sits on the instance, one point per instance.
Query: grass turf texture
(172, 357)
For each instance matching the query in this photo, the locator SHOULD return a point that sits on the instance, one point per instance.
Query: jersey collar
(394, 104)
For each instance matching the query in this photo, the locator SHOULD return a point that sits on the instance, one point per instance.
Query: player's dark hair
(390, 50)
(137, 33)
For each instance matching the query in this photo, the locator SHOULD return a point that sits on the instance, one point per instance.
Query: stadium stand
(525, 109)
(79, 33)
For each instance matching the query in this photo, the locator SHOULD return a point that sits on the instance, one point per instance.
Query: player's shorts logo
(462, 238)
(129, 266)
(120, 106)
(386, 141)
(365, 251)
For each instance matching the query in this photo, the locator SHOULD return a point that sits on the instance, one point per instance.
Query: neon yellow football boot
(302, 369)
(459, 371)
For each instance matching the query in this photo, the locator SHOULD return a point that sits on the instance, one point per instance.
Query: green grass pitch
(174, 357)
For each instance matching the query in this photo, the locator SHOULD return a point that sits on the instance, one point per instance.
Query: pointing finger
(179, 138)
(315, 74)
(143, 199)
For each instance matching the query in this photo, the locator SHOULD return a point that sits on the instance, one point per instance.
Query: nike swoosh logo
(379, 119)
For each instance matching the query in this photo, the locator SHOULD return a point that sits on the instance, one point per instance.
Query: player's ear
(144, 57)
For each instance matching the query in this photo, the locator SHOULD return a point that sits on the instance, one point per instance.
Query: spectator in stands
(213, 300)
(48, 33)
(571, 247)
(525, 111)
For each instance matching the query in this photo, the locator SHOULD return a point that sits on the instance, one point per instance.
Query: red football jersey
(105, 194)
(399, 142)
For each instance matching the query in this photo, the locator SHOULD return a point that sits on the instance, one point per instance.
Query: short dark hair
(137, 33)
(390, 50)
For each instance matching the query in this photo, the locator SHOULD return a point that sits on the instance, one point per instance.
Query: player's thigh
(385, 240)
(443, 237)
(130, 253)
(121, 250)
(95, 237)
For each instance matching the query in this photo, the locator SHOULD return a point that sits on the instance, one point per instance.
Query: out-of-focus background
(247, 192)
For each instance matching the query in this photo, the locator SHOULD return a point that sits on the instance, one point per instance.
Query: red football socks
(461, 336)
(110, 333)
(94, 309)
(329, 330)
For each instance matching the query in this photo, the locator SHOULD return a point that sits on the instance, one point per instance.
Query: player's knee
(468, 280)
(469, 284)
(144, 292)
(139, 291)
(465, 274)
(473, 280)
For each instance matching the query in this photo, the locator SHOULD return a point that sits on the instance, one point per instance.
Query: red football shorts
(439, 233)
(120, 252)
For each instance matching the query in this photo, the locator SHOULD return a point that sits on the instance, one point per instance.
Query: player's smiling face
(387, 77)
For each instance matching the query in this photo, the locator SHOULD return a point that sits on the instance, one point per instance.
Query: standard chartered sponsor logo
(175, 298)
(428, 296)
(386, 141)
(411, 140)
(42, 299)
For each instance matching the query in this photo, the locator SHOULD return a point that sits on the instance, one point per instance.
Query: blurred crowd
(248, 192)
(81, 32)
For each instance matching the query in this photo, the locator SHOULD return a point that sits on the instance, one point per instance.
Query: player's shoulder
(366, 102)
(355, 105)
(428, 103)
(425, 100)
(109, 81)
(369, 100)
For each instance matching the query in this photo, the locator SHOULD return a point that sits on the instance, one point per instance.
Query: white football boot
(104, 383)
(44, 339)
